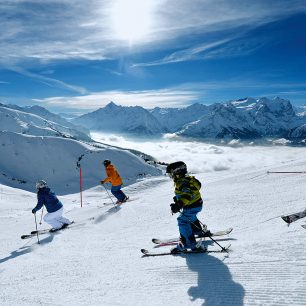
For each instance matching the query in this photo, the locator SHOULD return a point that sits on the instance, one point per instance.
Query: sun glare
(131, 19)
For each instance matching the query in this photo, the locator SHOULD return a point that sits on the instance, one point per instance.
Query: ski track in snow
(98, 261)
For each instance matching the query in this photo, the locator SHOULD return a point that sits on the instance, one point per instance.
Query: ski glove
(102, 182)
(33, 211)
(175, 207)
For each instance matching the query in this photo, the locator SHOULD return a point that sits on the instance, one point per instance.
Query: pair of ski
(44, 231)
(294, 217)
(117, 203)
(167, 242)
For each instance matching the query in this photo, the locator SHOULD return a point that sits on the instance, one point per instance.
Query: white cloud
(186, 54)
(179, 96)
(147, 99)
(49, 81)
(201, 157)
(63, 29)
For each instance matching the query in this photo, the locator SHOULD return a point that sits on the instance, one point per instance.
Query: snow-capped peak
(133, 119)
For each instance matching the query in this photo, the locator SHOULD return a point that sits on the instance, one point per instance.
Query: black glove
(175, 199)
(33, 211)
(175, 208)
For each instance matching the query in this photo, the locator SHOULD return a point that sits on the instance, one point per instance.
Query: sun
(131, 19)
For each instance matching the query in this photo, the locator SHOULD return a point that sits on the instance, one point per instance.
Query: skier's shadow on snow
(14, 254)
(215, 284)
(108, 213)
(25, 249)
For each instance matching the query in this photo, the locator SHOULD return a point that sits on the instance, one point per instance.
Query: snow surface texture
(98, 261)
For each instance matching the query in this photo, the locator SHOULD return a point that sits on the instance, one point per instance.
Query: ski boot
(53, 230)
(123, 201)
(65, 225)
(199, 230)
(199, 249)
(180, 248)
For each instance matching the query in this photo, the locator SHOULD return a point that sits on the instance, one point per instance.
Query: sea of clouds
(202, 157)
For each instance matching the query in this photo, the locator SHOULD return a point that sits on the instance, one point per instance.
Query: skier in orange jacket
(114, 178)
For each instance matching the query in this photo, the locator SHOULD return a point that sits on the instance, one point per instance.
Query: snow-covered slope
(38, 121)
(26, 159)
(44, 113)
(98, 261)
(36, 144)
(114, 118)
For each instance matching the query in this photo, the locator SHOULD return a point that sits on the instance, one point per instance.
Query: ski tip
(144, 251)
(286, 219)
(223, 232)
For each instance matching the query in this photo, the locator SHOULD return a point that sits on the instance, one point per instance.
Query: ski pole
(223, 249)
(81, 186)
(36, 229)
(42, 212)
(109, 196)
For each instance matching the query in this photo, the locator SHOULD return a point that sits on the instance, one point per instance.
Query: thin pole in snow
(81, 186)
(110, 196)
(286, 172)
(36, 229)
(42, 213)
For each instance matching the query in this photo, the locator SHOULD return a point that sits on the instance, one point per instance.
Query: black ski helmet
(106, 162)
(178, 168)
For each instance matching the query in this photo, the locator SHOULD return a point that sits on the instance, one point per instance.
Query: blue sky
(79, 55)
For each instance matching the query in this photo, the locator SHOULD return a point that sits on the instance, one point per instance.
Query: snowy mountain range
(36, 144)
(249, 119)
(240, 119)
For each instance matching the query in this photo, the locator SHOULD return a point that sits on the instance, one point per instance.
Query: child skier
(54, 207)
(188, 199)
(114, 178)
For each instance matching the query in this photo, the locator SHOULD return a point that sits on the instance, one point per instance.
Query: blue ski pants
(186, 217)
(118, 193)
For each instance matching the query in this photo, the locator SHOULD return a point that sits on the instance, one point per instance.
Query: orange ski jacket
(113, 176)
